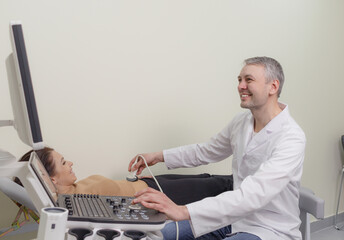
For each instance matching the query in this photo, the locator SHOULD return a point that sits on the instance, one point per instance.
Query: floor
(329, 233)
(26, 236)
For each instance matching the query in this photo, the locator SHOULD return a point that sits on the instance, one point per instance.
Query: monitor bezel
(26, 120)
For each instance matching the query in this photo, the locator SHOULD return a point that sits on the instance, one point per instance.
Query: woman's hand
(151, 198)
(151, 158)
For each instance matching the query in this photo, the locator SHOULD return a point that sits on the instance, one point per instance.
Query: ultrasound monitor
(26, 120)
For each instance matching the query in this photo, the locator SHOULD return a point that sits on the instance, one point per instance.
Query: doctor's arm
(216, 149)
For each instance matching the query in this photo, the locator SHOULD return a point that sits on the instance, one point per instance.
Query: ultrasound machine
(84, 210)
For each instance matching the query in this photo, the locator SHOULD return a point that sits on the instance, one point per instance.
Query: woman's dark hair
(45, 157)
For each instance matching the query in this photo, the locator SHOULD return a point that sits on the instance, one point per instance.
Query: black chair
(340, 191)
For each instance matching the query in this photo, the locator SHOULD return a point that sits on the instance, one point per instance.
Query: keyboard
(108, 209)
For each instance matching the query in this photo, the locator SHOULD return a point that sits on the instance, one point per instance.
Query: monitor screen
(43, 177)
(24, 107)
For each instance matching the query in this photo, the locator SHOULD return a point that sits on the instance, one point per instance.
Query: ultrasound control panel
(108, 209)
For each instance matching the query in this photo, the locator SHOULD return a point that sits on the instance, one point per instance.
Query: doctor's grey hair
(273, 69)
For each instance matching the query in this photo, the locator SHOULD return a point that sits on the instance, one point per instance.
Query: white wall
(117, 78)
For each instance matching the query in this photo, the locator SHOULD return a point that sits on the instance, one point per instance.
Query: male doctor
(268, 148)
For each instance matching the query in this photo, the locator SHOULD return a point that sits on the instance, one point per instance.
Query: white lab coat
(267, 170)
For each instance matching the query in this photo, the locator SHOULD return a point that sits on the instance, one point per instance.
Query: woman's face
(64, 175)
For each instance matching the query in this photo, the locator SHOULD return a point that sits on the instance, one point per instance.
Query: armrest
(311, 203)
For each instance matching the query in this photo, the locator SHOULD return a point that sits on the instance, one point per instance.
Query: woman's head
(63, 174)
(59, 169)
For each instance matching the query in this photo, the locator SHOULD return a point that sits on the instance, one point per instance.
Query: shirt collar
(276, 123)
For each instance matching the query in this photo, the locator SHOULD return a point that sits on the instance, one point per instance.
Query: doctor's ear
(274, 86)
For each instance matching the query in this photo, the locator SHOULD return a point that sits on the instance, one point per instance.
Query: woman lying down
(182, 189)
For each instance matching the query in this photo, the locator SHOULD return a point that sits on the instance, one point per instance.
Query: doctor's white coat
(267, 169)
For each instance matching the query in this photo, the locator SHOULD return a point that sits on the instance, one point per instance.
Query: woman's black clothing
(184, 189)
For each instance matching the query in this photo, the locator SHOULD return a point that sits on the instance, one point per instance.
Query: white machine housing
(53, 223)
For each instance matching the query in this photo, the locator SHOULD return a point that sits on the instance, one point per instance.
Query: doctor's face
(64, 175)
(253, 87)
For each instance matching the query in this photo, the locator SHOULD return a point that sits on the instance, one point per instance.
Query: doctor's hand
(151, 198)
(151, 158)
